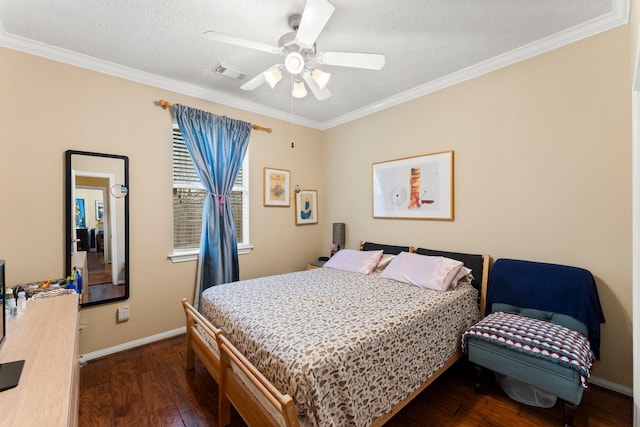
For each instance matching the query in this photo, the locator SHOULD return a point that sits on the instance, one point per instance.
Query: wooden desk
(46, 338)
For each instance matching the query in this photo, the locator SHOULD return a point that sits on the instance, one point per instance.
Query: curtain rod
(166, 104)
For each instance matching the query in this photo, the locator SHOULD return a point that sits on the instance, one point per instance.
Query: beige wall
(542, 171)
(48, 107)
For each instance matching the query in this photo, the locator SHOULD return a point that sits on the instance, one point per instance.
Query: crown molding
(90, 63)
(618, 16)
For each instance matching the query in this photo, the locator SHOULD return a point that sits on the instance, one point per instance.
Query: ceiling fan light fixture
(320, 77)
(294, 62)
(273, 76)
(299, 90)
(298, 49)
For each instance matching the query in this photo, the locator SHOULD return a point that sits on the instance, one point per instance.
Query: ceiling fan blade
(315, 16)
(225, 38)
(320, 94)
(254, 82)
(370, 61)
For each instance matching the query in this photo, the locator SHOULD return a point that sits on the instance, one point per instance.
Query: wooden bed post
(190, 353)
(224, 406)
(484, 284)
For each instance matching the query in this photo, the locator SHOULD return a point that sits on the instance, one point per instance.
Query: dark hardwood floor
(99, 271)
(99, 285)
(149, 386)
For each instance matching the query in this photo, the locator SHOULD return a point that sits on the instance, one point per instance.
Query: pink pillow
(363, 262)
(424, 271)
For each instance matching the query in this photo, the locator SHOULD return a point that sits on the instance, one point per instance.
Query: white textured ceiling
(428, 44)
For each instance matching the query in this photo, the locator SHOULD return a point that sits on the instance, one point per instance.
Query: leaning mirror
(97, 224)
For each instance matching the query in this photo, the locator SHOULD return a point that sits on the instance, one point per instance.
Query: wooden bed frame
(258, 402)
(239, 382)
(202, 339)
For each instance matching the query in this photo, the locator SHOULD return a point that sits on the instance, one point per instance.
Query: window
(188, 202)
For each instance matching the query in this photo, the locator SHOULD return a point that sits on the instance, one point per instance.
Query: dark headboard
(387, 249)
(479, 264)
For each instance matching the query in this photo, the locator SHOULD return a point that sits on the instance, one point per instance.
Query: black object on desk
(10, 374)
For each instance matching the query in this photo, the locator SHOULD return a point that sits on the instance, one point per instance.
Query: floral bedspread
(347, 347)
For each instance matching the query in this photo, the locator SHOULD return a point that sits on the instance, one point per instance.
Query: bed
(351, 349)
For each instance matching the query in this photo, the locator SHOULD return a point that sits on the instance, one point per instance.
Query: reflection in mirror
(97, 224)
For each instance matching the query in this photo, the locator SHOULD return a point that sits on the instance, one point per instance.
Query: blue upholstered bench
(562, 295)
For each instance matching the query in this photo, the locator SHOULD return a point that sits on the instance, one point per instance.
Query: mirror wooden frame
(69, 223)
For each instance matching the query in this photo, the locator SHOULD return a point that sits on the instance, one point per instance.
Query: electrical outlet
(123, 313)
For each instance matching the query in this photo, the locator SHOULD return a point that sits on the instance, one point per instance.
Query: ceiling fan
(299, 49)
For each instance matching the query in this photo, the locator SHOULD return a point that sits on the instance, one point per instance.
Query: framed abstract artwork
(306, 207)
(419, 187)
(276, 187)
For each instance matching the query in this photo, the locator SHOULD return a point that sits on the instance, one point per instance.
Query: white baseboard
(132, 344)
(627, 391)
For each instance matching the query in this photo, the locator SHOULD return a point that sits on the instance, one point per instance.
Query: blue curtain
(217, 146)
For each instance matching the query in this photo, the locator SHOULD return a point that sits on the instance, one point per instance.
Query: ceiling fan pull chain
(292, 145)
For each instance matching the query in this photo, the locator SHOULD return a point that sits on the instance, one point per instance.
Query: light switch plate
(123, 314)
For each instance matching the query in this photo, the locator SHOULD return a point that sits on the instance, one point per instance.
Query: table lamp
(339, 235)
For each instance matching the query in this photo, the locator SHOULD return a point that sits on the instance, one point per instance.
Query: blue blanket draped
(549, 287)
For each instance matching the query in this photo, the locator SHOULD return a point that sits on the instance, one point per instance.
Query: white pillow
(464, 277)
(363, 262)
(424, 271)
(384, 261)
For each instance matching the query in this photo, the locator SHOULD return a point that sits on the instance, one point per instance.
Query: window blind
(189, 197)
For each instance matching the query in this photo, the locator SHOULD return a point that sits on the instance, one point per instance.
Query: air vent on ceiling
(228, 71)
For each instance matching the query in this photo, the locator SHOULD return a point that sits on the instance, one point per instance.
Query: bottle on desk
(22, 302)
(10, 301)
(78, 280)
(71, 280)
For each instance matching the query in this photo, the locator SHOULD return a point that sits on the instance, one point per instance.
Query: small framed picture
(306, 207)
(99, 210)
(276, 187)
